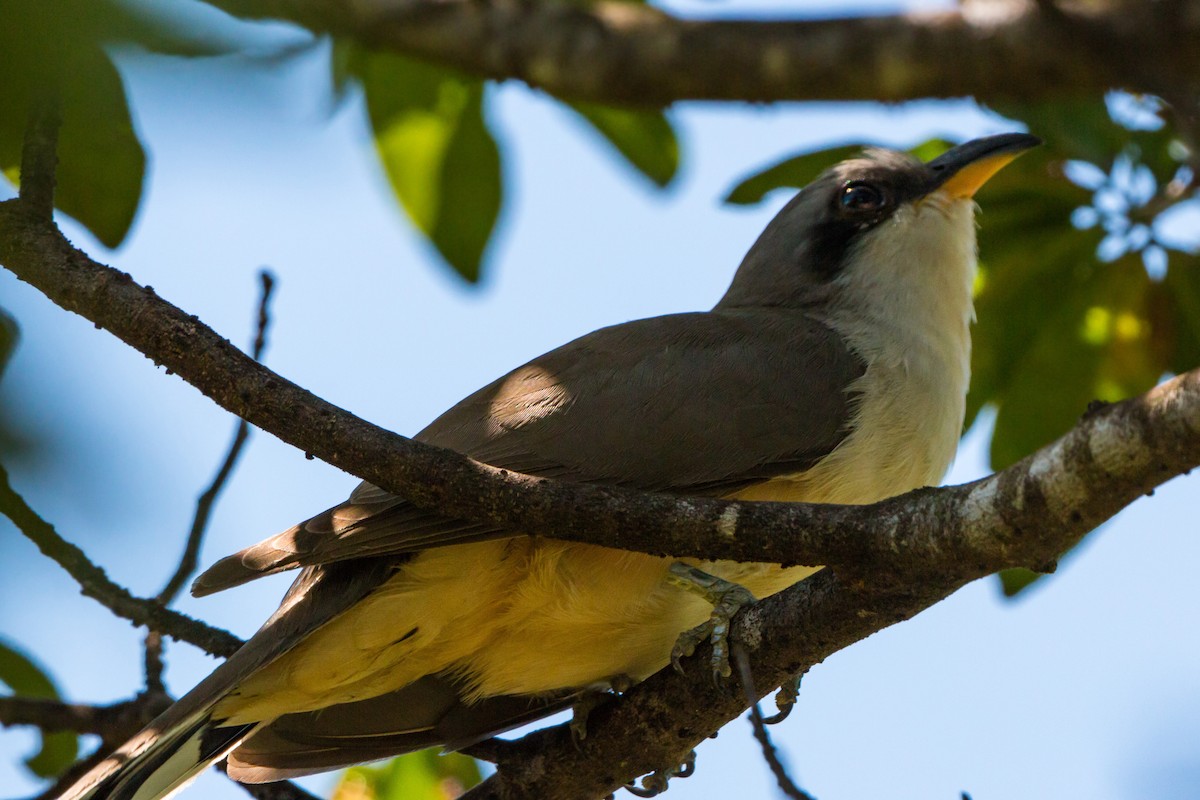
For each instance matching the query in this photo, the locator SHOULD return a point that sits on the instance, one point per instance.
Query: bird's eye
(862, 196)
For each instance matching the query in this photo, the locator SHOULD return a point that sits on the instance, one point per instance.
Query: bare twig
(94, 583)
(75, 772)
(39, 155)
(113, 723)
(204, 505)
(54, 715)
(770, 754)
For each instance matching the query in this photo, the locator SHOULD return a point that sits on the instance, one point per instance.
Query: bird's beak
(962, 170)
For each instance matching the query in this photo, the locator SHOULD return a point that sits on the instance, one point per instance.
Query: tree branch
(625, 53)
(96, 584)
(114, 722)
(204, 504)
(1020, 517)
(39, 154)
(916, 549)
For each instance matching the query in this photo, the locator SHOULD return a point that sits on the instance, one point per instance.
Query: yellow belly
(519, 616)
(531, 615)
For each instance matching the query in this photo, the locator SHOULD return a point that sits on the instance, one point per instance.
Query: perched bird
(833, 370)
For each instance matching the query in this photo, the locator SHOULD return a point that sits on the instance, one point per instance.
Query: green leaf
(1030, 257)
(100, 160)
(1099, 345)
(799, 170)
(1078, 128)
(793, 173)
(439, 154)
(1016, 580)
(424, 775)
(26, 679)
(1181, 288)
(645, 138)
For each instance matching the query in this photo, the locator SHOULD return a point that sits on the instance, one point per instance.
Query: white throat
(907, 313)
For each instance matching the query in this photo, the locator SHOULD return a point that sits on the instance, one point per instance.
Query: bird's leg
(592, 698)
(727, 599)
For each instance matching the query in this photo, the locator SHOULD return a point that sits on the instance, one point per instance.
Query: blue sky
(1087, 687)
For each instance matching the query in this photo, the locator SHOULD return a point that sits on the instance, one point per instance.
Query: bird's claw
(727, 600)
(785, 701)
(591, 699)
(655, 783)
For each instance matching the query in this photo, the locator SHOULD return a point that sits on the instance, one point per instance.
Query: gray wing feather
(703, 403)
(423, 714)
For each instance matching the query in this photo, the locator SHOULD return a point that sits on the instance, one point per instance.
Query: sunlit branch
(627, 53)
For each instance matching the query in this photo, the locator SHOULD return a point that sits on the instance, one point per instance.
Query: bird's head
(876, 222)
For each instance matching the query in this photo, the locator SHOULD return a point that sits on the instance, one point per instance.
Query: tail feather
(155, 765)
(175, 748)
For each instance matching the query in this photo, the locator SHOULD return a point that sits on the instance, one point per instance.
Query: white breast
(907, 312)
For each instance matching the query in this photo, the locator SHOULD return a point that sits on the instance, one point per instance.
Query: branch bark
(915, 549)
(625, 53)
(96, 584)
(113, 723)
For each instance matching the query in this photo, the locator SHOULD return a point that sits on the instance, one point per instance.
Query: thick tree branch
(1021, 516)
(626, 53)
(916, 549)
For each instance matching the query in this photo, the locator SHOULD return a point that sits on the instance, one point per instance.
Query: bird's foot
(656, 782)
(727, 599)
(591, 699)
(785, 700)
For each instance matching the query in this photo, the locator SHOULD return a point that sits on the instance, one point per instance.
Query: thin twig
(94, 583)
(39, 155)
(75, 772)
(770, 754)
(54, 715)
(113, 723)
(204, 505)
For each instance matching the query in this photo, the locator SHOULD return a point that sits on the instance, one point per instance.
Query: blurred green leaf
(1031, 257)
(26, 679)
(424, 775)
(1016, 579)
(799, 170)
(59, 47)
(439, 154)
(1079, 128)
(1098, 345)
(645, 138)
(1180, 291)
(793, 172)
(100, 161)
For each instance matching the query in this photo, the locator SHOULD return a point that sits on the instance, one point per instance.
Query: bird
(834, 369)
